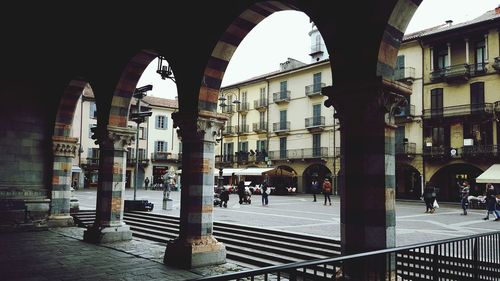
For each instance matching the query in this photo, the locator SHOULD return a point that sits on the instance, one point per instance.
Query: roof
(487, 16)
(161, 102)
(491, 175)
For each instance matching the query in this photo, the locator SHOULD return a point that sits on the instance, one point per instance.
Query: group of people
(429, 197)
(326, 189)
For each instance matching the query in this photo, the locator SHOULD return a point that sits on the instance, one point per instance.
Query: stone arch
(408, 182)
(393, 35)
(64, 148)
(316, 171)
(445, 179)
(226, 46)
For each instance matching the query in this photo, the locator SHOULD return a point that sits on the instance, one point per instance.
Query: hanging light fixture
(165, 70)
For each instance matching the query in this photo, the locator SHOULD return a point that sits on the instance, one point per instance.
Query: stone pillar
(367, 183)
(109, 225)
(64, 149)
(196, 246)
(466, 50)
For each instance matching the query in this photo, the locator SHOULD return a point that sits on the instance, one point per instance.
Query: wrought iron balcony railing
(165, 156)
(229, 131)
(406, 74)
(459, 72)
(283, 96)
(407, 113)
(230, 108)
(406, 149)
(436, 151)
(459, 110)
(478, 68)
(315, 122)
(92, 161)
(142, 161)
(304, 153)
(281, 127)
(316, 49)
(242, 129)
(260, 104)
(260, 127)
(314, 89)
(244, 107)
(226, 158)
(480, 151)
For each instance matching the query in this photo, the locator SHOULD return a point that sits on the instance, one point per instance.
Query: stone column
(64, 149)
(367, 184)
(109, 225)
(196, 246)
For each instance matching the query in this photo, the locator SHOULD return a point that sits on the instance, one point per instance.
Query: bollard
(167, 201)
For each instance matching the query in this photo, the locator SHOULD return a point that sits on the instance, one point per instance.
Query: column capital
(206, 126)
(64, 146)
(378, 94)
(114, 136)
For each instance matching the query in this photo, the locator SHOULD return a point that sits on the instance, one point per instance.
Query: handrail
(339, 260)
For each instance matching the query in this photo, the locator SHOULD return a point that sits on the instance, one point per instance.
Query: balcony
(496, 64)
(226, 159)
(260, 127)
(480, 152)
(142, 161)
(478, 69)
(314, 124)
(406, 150)
(481, 110)
(242, 129)
(230, 109)
(244, 107)
(260, 104)
(405, 75)
(406, 115)
(242, 157)
(436, 152)
(162, 156)
(452, 74)
(229, 131)
(314, 90)
(304, 153)
(91, 161)
(281, 128)
(281, 97)
(316, 49)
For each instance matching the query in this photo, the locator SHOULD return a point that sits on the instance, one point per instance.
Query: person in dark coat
(224, 197)
(429, 196)
(491, 202)
(241, 191)
(315, 189)
(265, 195)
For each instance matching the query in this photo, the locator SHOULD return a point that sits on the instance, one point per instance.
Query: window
(244, 124)
(90, 129)
(142, 154)
(244, 97)
(283, 120)
(244, 146)
(283, 148)
(399, 68)
(316, 145)
(262, 120)
(161, 146)
(442, 59)
(142, 133)
(93, 155)
(161, 122)
(317, 82)
(477, 97)
(130, 153)
(437, 102)
(93, 110)
(480, 55)
(263, 93)
(261, 145)
(316, 115)
(283, 89)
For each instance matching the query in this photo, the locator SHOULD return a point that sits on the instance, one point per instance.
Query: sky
(264, 48)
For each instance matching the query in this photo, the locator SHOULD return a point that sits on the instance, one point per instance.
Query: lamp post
(220, 180)
(237, 103)
(139, 117)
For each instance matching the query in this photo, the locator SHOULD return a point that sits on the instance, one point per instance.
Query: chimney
(497, 10)
(449, 22)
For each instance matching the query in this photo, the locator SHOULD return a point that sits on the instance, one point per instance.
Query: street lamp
(139, 117)
(220, 180)
(164, 70)
(237, 103)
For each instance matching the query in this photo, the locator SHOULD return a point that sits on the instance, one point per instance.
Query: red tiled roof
(161, 102)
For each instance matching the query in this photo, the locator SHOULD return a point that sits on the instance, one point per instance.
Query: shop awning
(491, 175)
(252, 171)
(76, 169)
(226, 172)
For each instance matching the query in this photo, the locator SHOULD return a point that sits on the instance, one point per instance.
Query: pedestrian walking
(429, 197)
(241, 191)
(464, 195)
(265, 193)
(315, 188)
(491, 202)
(327, 190)
(224, 197)
(146, 183)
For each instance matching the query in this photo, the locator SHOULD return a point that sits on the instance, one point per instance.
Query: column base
(108, 234)
(197, 253)
(60, 221)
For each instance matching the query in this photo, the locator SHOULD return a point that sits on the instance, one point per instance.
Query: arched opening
(315, 172)
(446, 181)
(408, 182)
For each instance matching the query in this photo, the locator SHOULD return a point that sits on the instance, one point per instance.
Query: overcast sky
(285, 34)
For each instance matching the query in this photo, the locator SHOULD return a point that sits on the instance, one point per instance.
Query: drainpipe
(422, 177)
(268, 125)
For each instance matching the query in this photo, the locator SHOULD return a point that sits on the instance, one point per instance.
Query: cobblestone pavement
(60, 254)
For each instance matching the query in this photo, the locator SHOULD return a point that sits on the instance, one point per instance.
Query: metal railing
(283, 96)
(451, 72)
(409, 148)
(480, 150)
(259, 127)
(459, 110)
(476, 257)
(260, 103)
(404, 74)
(406, 111)
(229, 130)
(164, 156)
(229, 108)
(316, 121)
(242, 129)
(304, 153)
(314, 89)
(243, 107)
(281, 126)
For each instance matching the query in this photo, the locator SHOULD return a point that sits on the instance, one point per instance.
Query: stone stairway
(247, 246)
